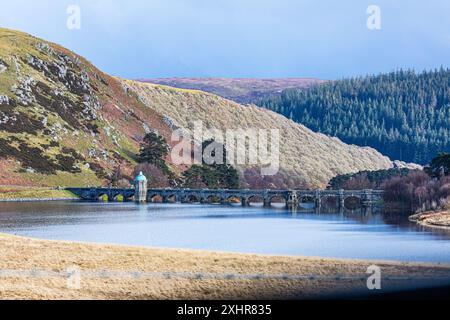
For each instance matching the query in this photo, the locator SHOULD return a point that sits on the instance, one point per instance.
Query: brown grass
(27, 254)
(439, 219)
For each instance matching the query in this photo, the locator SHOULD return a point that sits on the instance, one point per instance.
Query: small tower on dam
(140, 188)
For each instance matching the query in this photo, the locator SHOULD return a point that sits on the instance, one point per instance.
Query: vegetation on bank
(422, 190)
(366, 179)
(403, 114)
(415, 190)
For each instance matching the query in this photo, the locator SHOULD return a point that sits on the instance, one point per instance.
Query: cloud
(249, 38)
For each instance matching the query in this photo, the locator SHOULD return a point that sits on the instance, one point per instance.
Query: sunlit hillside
(307, 158)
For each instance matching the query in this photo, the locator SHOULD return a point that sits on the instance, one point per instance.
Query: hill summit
(241, 90)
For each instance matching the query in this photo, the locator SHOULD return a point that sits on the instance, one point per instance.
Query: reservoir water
(227, 228)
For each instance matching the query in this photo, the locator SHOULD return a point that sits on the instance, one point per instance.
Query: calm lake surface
(228, 228)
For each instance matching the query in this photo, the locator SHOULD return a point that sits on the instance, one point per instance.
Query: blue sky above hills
(242, 38)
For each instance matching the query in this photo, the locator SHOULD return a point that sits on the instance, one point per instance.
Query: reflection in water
(363, 234)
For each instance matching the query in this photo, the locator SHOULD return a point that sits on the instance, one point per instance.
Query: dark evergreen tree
(439, 166)
(372, 179)
(215, 175)
(153, 150)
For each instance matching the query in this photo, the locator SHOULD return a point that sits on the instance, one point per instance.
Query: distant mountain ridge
(241, 90)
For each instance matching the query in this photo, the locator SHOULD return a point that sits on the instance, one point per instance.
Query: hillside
(241, 90)
(64, 122)
(307, 159)
(405, 115)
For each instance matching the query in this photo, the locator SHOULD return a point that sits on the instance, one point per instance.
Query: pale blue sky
(242, 38)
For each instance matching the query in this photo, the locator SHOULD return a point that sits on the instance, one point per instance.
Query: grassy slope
(305, 156)
(27, 254)
(20, 192)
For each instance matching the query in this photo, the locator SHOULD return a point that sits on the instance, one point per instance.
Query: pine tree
(153, 150)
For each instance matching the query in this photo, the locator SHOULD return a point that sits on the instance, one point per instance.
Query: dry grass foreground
(19, 253)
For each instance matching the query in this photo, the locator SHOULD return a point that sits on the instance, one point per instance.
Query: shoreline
(221, 252)
(187, 274)
(432, 219)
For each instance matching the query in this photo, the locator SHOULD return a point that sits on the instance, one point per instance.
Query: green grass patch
(11, 193)
(65, 179)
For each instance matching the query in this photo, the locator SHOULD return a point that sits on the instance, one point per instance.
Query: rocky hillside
(241, 90)
(64, 122)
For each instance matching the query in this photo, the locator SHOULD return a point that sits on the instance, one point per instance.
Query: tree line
(404, 115)
(411, 190)
(153, 163)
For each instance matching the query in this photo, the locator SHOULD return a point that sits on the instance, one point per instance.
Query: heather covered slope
(241, 90)
(307, 159)
(62, 121)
